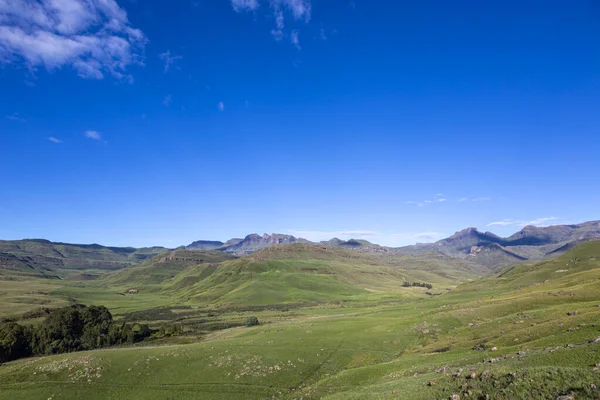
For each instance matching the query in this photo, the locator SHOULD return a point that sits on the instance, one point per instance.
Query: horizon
(397, 123)
(297, 237)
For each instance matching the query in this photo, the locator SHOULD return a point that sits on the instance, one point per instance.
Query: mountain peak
(466, 232)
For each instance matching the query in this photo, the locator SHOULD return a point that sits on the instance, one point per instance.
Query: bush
(252, 321)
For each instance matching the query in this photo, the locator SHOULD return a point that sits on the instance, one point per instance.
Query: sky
(139, 123)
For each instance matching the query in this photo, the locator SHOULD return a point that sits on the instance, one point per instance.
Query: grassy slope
(302, 273)
(380, 351)
(164, 267)
(42, 257)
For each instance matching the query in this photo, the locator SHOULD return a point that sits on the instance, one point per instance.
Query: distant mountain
(248, 245)
(531, 243)
(45, 258)
(254, 242)
(205, 245)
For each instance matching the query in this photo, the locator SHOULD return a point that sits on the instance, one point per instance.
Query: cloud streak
(300, 10)
(94, 135)
(439, 198)
(54, 140)
(93, 37)
(169, 59)
(544, 221)
(15, 116)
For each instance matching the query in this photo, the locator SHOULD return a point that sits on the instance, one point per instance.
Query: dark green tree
(14, 342)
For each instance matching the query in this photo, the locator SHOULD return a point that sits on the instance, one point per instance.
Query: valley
(334, 322)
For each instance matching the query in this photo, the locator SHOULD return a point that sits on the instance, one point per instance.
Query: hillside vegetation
(531, 331)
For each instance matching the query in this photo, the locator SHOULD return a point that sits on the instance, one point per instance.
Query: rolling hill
(164, 267)
(300, 273)
(44, 258)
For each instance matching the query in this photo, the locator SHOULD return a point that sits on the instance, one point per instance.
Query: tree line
(417, 284)
(66, 330)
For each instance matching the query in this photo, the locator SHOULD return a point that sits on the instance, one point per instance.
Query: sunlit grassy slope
(163, 267)
(302, 273)
(408, 348)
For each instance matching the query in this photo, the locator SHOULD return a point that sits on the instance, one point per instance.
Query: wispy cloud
(482, 199)
(323, 34)
(94, 37)
(419, 236)
(94, 135)
(244, 5)
(544, 221)
(167, 100)
(15, 117)
(294, 37)
(300, 10)
(169, 59)
(221, 106)
(438, 198)
(54, 140)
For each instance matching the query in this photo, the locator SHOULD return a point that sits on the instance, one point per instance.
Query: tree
(252, 321)
(60, 332)
(97, 321)
(14, 341)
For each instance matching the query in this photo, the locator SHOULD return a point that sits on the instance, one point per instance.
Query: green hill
(164, 267)
(44, 258)
(304, 273)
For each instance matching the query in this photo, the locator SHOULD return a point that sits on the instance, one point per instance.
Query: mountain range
(531, 243)
(483, 248)
(42, 257)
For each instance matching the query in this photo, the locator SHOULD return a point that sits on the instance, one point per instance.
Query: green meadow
(333, 325)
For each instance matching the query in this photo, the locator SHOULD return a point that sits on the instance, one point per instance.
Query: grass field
(398, 343)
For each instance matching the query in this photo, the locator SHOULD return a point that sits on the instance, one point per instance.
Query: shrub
(252, 321)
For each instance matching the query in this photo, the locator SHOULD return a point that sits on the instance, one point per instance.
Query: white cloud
(295, 39)
(94, 37)
(436, 199)
(95, 135)
(482, 199)
(541, 221)
(507, 222)
(419, 236)
(536, 222)
(169, 59)
(167, 100)
(54, 140)
(280, 25)
(463, 199)
(244, 5)
(301, 10)
(221, 106)
(15, 116)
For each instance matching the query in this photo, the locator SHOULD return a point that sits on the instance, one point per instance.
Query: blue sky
(159, 123)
